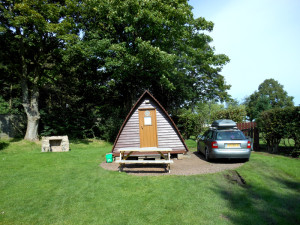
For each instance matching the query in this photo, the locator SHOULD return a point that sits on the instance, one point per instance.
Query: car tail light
(249, 144)
(214, 144)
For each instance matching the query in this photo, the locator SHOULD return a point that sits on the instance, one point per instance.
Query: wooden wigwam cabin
(149, 125)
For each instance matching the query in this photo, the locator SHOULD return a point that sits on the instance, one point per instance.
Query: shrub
(278, 123)
(190, 123)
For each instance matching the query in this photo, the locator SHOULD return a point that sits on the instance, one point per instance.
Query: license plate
(233, 145)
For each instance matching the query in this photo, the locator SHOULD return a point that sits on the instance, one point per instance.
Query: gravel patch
(193, 163)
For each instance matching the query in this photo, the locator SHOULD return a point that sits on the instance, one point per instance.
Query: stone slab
(55, 144)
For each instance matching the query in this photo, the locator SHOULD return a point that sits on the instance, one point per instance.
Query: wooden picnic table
(126, 152)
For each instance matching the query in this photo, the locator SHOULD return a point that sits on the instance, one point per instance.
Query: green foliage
(255, 104)
(270, 95)
(4, 106)
(34, 33)
(274, 92)
(194, 122)
(235, 113)
(152, 45)
(190, 123)
(209, 110)
(278, 123)
(14, 107)
(105, 53)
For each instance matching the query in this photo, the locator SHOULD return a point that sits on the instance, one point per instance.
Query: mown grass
(71, 188)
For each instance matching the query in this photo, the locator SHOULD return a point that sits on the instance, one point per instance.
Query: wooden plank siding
(168, 136)
(250, 129)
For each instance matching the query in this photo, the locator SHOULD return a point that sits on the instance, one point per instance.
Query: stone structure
(11, 126)
(55, 144)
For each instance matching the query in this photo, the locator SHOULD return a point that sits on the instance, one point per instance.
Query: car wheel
(206, 155)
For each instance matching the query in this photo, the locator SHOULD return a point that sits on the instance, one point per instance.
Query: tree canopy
(76, 61)
(270, 95)
(33, 33)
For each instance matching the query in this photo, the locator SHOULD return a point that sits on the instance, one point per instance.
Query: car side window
(209, 135)
(205, 134)
(214, 134)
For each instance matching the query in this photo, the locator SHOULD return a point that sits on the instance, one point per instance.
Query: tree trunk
(30, 104)
(32, 111)
(29, 98)
(32, 128)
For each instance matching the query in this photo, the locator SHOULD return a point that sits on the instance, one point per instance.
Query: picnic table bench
(126, 152)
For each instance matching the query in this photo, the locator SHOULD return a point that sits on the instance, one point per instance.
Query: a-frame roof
(147, 93)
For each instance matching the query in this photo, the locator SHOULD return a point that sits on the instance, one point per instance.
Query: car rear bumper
(230, 153)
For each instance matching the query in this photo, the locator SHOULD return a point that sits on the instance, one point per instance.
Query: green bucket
(109, 157)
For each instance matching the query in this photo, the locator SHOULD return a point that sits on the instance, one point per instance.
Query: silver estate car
(224, 142)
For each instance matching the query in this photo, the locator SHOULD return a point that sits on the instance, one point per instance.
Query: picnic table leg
(169, 165)
(121, 165)
(162, 155)
(127, 155)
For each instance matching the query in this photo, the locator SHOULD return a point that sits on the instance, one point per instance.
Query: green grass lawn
(71, 188)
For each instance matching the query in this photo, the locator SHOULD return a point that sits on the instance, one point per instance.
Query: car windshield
(230, 135)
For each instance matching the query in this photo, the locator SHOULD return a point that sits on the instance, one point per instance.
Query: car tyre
(207, 155)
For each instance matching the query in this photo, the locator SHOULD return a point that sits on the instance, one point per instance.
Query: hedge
(276, 124)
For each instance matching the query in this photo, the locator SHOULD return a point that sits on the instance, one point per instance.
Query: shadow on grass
(289, 184)
(282, 150)
(144, 169)
(219, 161)
(262, 205)
(80, 141)
(3, 145)
(16, 140)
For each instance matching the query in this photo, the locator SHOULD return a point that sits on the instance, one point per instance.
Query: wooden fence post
(250, 129)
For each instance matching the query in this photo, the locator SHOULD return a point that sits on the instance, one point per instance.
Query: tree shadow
(81, 141)
(3, 145)
(288, 183)
(282, 150)
(254, 204)
(12, 140)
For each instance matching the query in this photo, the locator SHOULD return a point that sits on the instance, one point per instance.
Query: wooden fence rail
(250, 129)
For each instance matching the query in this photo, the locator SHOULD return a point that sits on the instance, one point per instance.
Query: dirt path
(194, 163)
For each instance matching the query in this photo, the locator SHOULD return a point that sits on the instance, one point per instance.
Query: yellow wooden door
(148, 128)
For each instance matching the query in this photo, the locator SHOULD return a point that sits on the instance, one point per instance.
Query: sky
(261, 38)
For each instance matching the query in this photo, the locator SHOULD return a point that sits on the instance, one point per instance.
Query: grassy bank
(71, 188)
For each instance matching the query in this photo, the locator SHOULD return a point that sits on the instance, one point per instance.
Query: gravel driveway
(193, 163)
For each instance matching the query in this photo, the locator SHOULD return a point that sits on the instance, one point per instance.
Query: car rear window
(230, 135)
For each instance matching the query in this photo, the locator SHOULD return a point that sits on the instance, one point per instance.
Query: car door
(208, 140)
(202, 142)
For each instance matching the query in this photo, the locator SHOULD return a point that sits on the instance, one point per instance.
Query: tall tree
(270, 95)
(155, 45)
(34, 31)
(124, 47)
